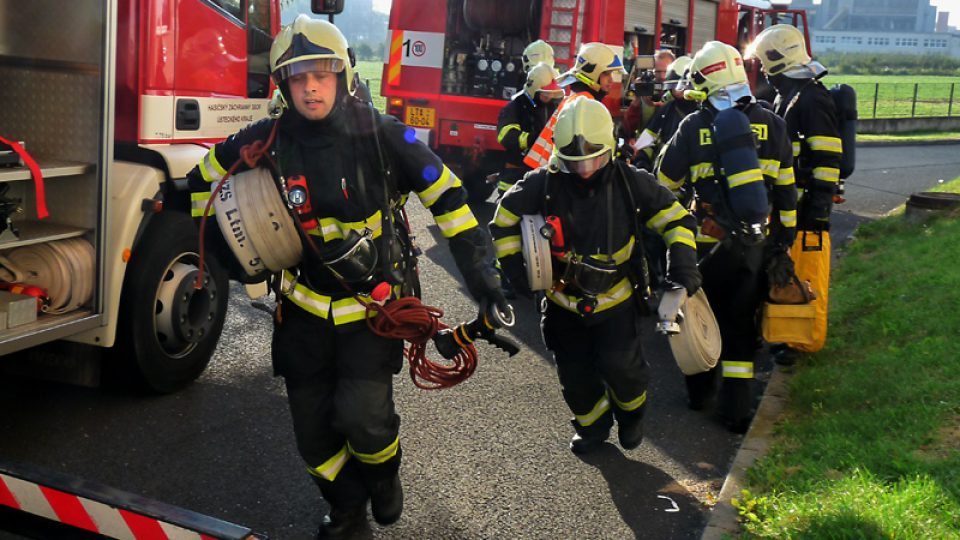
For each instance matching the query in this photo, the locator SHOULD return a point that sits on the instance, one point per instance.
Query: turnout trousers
(601, 366)
(731, 277)
(340, 389)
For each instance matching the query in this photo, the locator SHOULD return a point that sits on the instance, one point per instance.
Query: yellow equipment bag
(811, 259)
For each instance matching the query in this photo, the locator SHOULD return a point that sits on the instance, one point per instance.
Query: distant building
(891, 26)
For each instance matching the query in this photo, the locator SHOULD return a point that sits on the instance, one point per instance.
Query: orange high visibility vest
(539, 154)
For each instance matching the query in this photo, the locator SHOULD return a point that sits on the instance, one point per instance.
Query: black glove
(780, 270)
(483, 282)
(513, 271)
(814, 211)
(682, 268)
(625, 152)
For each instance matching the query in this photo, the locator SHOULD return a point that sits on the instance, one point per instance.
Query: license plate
(424, 117)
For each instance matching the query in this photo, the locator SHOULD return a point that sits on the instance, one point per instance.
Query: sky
(383, 6)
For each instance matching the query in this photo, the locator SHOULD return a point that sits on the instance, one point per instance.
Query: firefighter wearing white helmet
(812, 121)
(594, 205)
(734, 252)
(591, 76)
(347, 170)
(522, 119)
(537, 52)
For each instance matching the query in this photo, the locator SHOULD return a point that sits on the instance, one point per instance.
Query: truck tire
(168, 330)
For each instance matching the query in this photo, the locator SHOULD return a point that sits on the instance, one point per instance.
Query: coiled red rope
(406, 318)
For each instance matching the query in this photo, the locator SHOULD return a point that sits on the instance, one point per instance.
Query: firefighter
(591, 76)
(667, 118)
(811, 116)
(523, 118)
(535, 53)
(339, 374)
(733, 251)
(591, 317)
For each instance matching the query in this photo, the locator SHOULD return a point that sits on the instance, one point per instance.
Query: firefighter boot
(699, 388)
(630, 428)
(590, 438)
(736, 404)
(386, 499)
(347, 497)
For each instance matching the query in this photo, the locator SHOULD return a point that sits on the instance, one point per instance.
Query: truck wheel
(168, 329)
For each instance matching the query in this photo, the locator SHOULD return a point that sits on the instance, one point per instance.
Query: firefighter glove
(814, 214)
(780, 269)
(484, 285)
(514, 273)
(682, 268)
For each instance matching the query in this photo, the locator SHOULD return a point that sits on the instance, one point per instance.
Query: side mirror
(326, 7)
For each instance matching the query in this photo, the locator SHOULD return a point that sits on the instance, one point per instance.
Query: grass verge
(870, 445)
(911, 137)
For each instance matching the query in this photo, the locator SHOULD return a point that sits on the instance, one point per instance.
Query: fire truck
(116, 100)
(451, 65)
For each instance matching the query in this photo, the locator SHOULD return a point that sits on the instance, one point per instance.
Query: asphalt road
(487, 459)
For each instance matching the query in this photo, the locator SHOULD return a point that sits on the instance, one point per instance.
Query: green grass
(910, 137)
(870, 446)
(372, 72)
(892, 96)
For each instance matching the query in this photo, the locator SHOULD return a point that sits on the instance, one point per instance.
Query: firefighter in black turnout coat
(732, 209)
(590, 317)
(338, 373)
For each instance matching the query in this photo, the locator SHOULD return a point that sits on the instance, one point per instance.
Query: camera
(643, 79)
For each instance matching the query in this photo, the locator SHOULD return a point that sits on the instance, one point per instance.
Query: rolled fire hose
(255, 222)
(64, 268)
(696, 348)
(536, 253)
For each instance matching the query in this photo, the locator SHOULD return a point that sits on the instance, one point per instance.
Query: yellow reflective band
(649, 133)
(508, 246)
(432, 194)
(504, 186)
(613, 297)
(595, 414)
(198, 202)
(349, 310)
(661, 219)
(331, 467)
(630, 405)
(378, 457)
(302, 296)
(705, 239)
(700, 170)
(788, 218)
(506, 129)
(454, 223)
(622, 255)
(505, 218)
(737, 370)
(743, 178)
(827, 174)
(796, 148)
(523, 140)
(680, 235)
(210, 168)
(669, 183)
(825, 144)
(334, 229)
(785, 177)
(770, 167)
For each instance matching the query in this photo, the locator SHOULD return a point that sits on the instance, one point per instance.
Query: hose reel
(64, 268)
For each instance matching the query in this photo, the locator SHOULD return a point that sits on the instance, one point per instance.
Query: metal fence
(906, 100)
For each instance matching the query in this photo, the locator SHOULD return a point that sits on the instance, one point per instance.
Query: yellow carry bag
(811, 259)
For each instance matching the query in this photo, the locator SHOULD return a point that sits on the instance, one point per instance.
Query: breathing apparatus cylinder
(737, 154)
(845, 100)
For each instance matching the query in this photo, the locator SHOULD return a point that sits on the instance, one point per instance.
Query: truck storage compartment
(54, 97)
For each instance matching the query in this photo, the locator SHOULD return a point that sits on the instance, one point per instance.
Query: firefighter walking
(812, 122)
(591, 316)
(733, 243)
(348, 171)
(667, 118)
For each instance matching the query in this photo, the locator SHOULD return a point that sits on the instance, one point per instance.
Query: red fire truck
(450, 65)
(117, 100)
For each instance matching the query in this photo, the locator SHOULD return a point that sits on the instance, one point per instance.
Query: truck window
(258, 49)
(233, 7)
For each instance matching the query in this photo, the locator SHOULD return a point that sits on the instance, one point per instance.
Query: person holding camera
(641, 110)
(667, 118)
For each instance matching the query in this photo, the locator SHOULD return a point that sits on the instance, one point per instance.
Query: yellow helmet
(717, 74)
(536, 52)
(593, 60)
(311, 45)
(779, 48)
(677, 68)
(583, 137)
(542, 78)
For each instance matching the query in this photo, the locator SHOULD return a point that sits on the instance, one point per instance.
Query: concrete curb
(756, 443)
(869, 144)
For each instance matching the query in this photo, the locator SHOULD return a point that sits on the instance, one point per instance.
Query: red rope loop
(410, 320)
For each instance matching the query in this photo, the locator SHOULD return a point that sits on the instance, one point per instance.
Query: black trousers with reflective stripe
(339, 386)
(592, 359)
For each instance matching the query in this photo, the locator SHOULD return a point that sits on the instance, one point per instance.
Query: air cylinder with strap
(737, 155)
(845, 99)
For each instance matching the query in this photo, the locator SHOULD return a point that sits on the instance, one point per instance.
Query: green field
(371, 73)
(898, 96)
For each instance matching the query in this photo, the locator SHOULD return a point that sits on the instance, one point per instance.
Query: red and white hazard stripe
(88, 514)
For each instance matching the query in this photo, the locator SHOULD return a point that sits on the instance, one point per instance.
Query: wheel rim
(183, 316)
